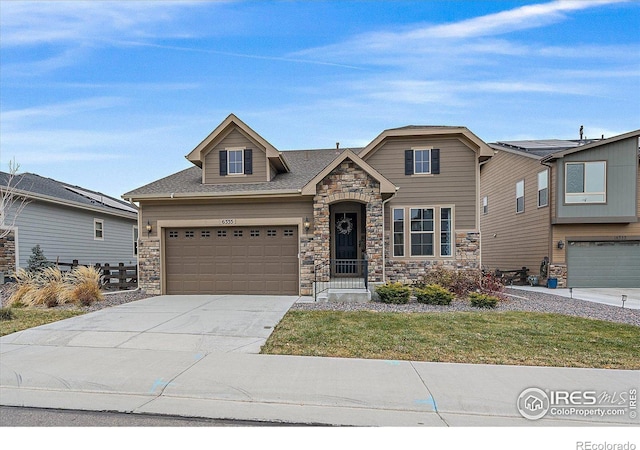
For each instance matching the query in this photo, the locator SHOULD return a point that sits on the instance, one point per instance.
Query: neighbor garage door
(233, 260)
(613, 264)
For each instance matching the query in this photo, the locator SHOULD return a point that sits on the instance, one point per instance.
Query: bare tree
(10, 199)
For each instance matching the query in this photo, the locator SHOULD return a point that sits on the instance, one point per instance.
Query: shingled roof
(48, 189)
(304, 165)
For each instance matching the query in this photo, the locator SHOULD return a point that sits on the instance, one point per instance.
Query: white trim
(485, 205)
(235, 150)
(517, 196)
(95, 229)
(404, 230)
(577, 195)
(546, 172)
(452, 235)
(135, 230)
(415, 171)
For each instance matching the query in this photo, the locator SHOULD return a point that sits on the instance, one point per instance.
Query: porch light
(306, 224)
(148, 228)
(560, 245)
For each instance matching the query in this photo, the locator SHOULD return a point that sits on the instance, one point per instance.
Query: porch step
(345, 295)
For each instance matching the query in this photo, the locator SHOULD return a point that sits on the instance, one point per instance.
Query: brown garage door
(232, 260)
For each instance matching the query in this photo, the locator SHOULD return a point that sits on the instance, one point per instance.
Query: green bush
(393, 293)
(483, 300)
(460, 282)
(6, 314)
(433, 294)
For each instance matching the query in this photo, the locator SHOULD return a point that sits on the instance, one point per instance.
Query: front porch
(342, 280)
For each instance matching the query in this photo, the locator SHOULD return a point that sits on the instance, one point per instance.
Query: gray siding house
(68, 222)
(575, 203)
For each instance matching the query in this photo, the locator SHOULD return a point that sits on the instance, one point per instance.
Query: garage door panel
(603, 264)
(254, 260)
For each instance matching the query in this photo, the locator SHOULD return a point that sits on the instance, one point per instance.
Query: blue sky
(112, 95)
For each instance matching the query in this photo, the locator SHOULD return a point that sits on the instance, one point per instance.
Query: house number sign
(228, 221)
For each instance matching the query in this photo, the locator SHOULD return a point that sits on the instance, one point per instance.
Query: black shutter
(435, 161)
(223, 162)
(248, 161)
(408, 162)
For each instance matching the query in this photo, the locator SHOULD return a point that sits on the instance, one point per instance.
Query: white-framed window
(98, 229)
(422, 161)
(585, 182)
(235, 162)
(446, 225)
(520, 196)
(422, 231)
(485, 205)
(398, 232)
(543, 188)
(135, 240)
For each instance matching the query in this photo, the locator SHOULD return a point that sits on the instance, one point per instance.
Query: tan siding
(235, 139)
(520, 239)
(223, 209)
(561, 232)
(455, 185)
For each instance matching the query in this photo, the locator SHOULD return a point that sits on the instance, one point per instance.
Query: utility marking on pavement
(159, 383)
(427, 401)
(393, 363)
(198, 356)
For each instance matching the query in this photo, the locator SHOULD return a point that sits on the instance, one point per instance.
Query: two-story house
(575, 203)
(250, 219)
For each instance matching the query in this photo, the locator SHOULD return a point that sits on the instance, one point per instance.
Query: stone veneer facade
(8, 254)
(559, 271)
(467, 257)
(346, 183)
(149, 265)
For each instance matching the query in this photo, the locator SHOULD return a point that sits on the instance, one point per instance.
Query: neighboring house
(574, 202)
(248, 218)
(68, 222)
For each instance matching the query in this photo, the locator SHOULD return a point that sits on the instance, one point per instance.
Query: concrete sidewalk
(157, 356)
(606, 296)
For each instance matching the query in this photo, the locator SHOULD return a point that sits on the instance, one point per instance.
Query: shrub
(492, 285)
(37, 261)
(433, 294)
(85, 285)
(6, 314)
(460, 282)
(27, 286)
(479, 300)
(395, 293)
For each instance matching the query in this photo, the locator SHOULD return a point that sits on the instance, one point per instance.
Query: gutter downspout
(384, 262)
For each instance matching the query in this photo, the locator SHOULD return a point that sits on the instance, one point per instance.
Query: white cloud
(13, 117)
(29, 23)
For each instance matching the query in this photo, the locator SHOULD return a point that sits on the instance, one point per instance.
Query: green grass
(522, 338)
(24, 318)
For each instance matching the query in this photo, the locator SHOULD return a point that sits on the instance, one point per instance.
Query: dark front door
(346, 239)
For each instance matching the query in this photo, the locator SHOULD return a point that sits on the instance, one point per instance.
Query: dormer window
(422, 161)
(236, 161)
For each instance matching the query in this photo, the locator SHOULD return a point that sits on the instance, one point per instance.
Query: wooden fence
(113, 277)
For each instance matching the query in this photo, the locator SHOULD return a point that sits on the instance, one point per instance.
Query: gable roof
(304, 166)
(386, 186)
(196, 156)
(463, 133)
(37, 187)
(620, 137)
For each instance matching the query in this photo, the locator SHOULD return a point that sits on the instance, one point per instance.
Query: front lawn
(24, 318)
(521, 338)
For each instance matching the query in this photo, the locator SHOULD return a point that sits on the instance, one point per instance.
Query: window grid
(254, 233)
(98, 229)
(237, 233)
(422, 231)
(271, 233)
(235, 162)
(173, 234)
(445, 232)
(189, 234)
(485, 205)
(204, 234)
(222, 233)
(398, 232)
(422, 161)
(288, 232)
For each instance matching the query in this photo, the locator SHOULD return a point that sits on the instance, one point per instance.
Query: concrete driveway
(194, 356)
(186, 323)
